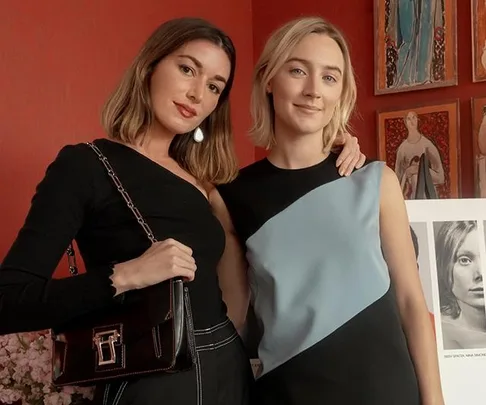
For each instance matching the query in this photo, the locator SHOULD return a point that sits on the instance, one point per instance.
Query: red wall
(356, 20)
(60, 59)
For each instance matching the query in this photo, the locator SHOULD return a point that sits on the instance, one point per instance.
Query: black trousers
(222, 376)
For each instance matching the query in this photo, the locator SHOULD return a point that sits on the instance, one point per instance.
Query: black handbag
(153, 334)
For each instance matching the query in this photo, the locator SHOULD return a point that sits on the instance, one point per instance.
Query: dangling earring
(198, 135)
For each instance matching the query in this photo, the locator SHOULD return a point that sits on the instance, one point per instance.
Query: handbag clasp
(106, 340)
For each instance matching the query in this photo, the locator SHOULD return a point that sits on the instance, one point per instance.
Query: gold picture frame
(478, 25)
(405, 61)
(478, 105)
(405, 133)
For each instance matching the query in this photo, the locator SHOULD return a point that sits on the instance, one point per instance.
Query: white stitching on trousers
(119, 394)
(106, 393)
(212, 328)
(219, 345)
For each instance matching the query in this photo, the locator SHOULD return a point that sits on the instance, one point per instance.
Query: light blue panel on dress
(317, 264)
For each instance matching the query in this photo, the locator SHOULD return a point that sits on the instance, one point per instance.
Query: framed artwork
(478, 24)
(415, 45)
(479, 139)
(405, 134)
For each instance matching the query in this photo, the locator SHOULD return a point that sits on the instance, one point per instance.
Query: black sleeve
(30, 299)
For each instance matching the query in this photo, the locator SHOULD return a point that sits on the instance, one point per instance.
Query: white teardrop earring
(198, 135)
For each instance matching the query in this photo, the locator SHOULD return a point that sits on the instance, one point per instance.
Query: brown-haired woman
(170, 141)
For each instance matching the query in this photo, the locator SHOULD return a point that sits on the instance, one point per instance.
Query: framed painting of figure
(405, 134)
(479, 142)
(415, 45)
(478, 19)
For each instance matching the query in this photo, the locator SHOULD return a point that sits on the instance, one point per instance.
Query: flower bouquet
(25, 373)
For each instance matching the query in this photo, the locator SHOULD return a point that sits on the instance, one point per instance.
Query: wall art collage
(416, 49)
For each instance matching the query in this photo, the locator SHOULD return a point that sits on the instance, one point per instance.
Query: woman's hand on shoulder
(350, 157)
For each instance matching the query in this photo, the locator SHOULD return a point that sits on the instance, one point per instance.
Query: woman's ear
(268, 88)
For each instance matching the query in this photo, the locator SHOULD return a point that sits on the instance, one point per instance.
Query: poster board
(447, 228)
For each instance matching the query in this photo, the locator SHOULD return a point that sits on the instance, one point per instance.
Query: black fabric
(364, 362)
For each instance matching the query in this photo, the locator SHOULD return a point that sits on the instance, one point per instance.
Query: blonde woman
(332, 270)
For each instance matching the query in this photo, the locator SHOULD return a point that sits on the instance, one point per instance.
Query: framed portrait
(478, 24)
(479, 144)
(405, 134)
(415, 45)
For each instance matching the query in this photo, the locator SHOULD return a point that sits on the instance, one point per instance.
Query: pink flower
(9, 396)
(25, 366)
(86, 392)
(57, 398)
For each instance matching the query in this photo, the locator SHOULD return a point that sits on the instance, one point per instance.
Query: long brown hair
(128, 112)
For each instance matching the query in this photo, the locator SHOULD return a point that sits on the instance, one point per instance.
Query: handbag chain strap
(73, 268)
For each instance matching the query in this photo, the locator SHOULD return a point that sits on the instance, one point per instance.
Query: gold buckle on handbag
(106, 338)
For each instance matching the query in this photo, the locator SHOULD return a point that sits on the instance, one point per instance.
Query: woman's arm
(29, 298)
(400, 257)
(233, 267)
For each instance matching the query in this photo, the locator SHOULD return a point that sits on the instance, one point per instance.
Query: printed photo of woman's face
(460, 282)
(466, 272)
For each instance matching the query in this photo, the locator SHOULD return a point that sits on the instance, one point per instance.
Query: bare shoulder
(391, 190)
(389, 176)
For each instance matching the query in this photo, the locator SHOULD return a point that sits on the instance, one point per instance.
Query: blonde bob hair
(276, 52)
(128, 113)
